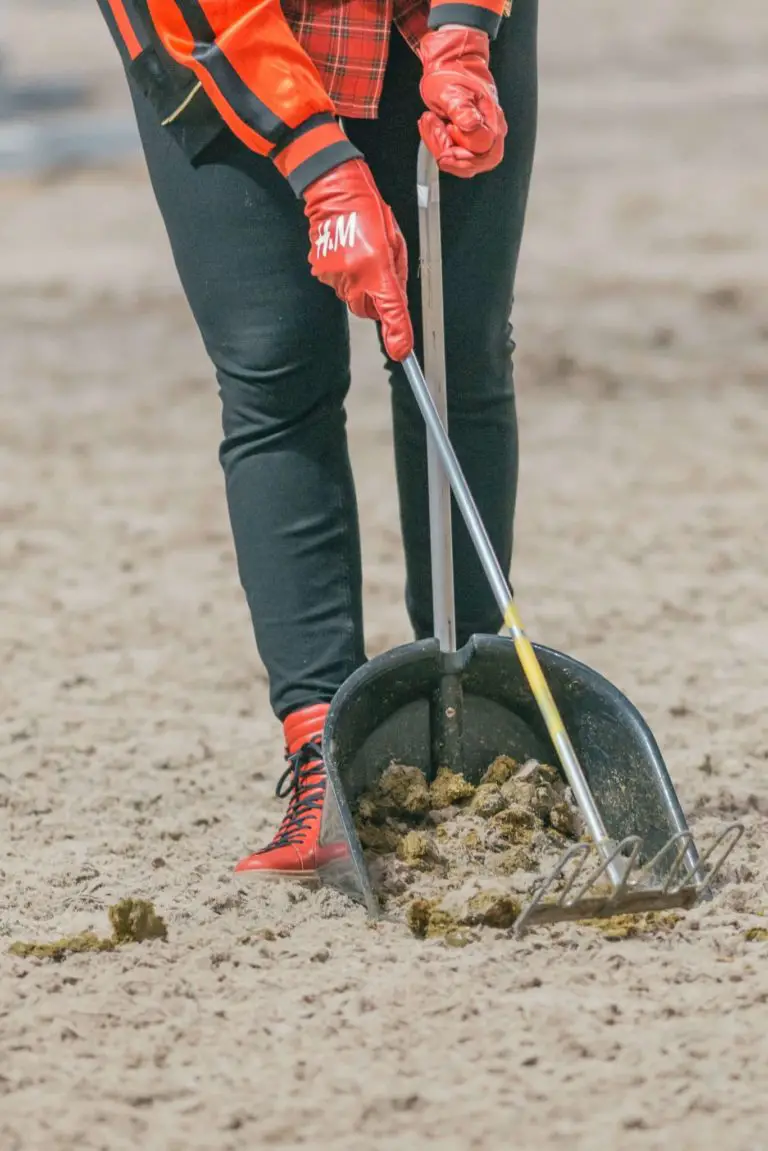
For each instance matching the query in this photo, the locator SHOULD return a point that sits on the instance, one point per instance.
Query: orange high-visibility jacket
(255, 75)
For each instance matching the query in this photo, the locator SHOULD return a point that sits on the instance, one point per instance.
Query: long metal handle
(503, 595)
(440, 532)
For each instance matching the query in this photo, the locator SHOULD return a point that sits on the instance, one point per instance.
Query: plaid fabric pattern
(348, 42)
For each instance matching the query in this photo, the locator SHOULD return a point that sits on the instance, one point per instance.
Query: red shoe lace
(305, 780)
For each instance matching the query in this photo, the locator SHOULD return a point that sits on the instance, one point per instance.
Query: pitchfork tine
(541, 890)
(686, 838)
(636, 843)
(739, 829)
(582, 849)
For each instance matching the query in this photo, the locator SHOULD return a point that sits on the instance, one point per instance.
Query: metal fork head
(596, 897)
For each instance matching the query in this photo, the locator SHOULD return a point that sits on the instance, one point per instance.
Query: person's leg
(279, 342)
(482, 226)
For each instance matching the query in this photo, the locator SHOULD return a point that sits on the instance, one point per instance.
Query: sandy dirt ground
(137, 752)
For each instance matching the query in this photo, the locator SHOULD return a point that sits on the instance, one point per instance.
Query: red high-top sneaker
(295, 852)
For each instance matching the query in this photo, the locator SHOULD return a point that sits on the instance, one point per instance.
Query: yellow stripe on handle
(503, 597)
(534, 674)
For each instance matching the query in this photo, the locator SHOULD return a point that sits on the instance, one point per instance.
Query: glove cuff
(311, 150)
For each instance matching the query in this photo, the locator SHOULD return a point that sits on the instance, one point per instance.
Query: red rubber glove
(465, 127)
(359, 251)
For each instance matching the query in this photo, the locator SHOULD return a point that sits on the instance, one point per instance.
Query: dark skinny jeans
(279, 343)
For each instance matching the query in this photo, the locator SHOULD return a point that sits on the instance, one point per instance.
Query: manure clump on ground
(453, 857)
(132, 921)
(630, 926)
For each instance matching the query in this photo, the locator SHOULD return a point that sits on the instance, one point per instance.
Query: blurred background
(58, 101)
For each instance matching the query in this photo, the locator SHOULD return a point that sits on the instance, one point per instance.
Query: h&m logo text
(336, 233)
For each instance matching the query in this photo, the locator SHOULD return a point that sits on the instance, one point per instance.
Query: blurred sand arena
(137, 753)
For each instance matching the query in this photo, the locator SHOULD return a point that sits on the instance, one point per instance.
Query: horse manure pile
(455, 858)
(132, 921)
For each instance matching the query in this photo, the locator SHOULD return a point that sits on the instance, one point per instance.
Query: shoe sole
(298, 876)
